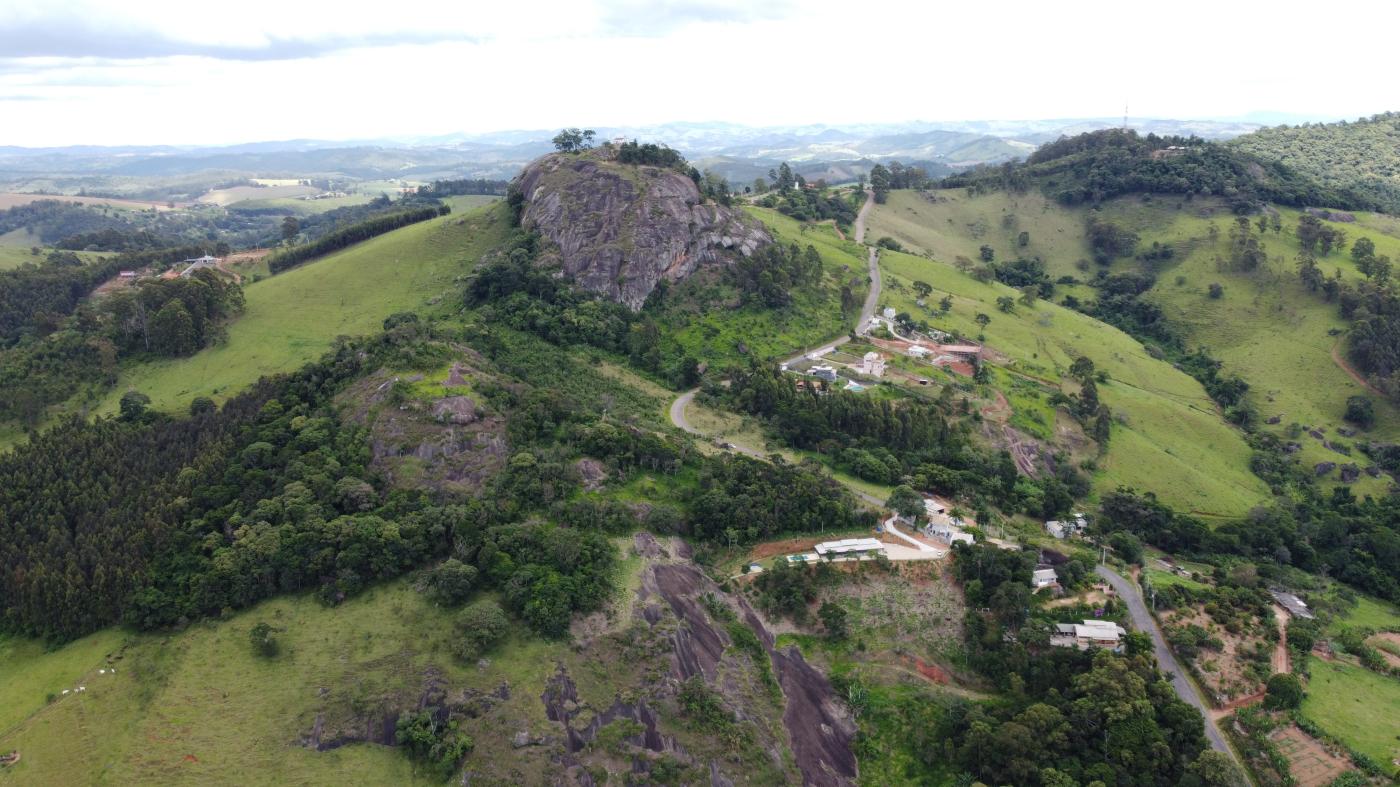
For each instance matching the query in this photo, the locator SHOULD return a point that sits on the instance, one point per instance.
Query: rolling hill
(1363, 155)
(1265, 327)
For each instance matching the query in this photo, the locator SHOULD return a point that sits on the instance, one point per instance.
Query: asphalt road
(1166, 660)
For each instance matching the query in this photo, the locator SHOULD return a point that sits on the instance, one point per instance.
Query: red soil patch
(191, 758)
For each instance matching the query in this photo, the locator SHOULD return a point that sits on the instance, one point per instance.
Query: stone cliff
(619, 230)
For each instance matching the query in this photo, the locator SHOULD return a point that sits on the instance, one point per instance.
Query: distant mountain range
(740, 153)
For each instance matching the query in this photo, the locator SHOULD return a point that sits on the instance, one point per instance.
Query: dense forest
(1099, 165)
(1362, 156)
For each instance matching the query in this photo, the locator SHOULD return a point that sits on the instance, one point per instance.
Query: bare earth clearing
(1310, 763)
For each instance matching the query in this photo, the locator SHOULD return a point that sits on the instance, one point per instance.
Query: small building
(873, 364)
(1295, 606)
(950, 533)
(1057, 529)
(127, 274)
(963, 352)
(1043, 578)
(1089, 634)
(888, 312)
(824, 372)
(918, 351)
(933, 508)
(198, 263)
(859, 547)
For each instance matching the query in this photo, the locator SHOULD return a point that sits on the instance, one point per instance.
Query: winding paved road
(1166, 661)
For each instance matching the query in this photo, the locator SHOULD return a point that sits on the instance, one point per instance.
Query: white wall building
(873, 364)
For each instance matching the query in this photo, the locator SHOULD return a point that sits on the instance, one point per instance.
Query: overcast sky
(175, 71)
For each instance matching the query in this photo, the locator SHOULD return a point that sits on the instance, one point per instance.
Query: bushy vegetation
(1069, 716)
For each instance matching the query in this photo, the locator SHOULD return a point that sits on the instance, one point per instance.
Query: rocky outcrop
(620, 230)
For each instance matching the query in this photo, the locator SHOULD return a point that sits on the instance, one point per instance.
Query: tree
(986, 253)
(982, 320)
(263, 642)
(479, 628)
(573, 140)
(880, 182)
(451, 583)
(202, 405)
(922, 288)
(784, 180)
(906, 502)
(1024, 239)
(1006, 304)
(1363, 247)
(133, 405)
(1082, 368)
(290, 228)
(1216, 291)
(833, 618)
(946, 304)
(1284, 692)
(1213, 769)
(1127, 545)
(1360, 411)
(172, 330)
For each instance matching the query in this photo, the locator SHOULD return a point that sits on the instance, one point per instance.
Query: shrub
(264, 643)
(1285, 692)
(480, 627)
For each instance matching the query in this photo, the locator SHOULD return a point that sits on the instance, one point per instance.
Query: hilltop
(1100, 165)
(620, 228)
(1363, 156)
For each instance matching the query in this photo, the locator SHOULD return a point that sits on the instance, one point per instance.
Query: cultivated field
(1309, 762)
(235, 194)
(1169, 437)
(293, 317)
(10, 200)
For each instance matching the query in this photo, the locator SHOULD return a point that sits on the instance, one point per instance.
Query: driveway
(1166, 660)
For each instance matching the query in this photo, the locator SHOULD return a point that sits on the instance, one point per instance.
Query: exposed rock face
(619, 230)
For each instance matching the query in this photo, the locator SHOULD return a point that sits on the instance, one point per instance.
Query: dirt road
(1352, 373)
(1166, 660)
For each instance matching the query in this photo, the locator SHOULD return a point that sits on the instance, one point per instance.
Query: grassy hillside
(1267, 328)
(1168, 438)
(293, 317)
(1356, 705)
(199, 706)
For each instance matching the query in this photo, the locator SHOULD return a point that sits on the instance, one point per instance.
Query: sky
(206, 73)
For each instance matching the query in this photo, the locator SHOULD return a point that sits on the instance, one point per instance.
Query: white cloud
(156, 71)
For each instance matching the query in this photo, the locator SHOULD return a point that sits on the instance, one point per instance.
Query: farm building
(850, 546)
(1295, 606)
(198, 263)
(1043, 578)
(1089, 634)
(873, 364)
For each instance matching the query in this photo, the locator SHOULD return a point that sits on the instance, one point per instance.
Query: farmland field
(1356, 705)
(10, 200)
(293, 317)
(229, 196)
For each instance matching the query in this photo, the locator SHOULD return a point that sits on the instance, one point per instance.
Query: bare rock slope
(619, 230)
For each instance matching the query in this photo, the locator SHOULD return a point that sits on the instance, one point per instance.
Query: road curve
(1166, 660)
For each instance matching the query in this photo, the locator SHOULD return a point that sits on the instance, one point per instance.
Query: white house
(950, 533)
(1056, 529)
(918, 351)
(873, 364)
(1043, 578)
(198, 263)
(824, 372)
(1089, 634)
(850, 546)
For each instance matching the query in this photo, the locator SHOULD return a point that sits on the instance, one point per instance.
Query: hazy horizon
(154, 72)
